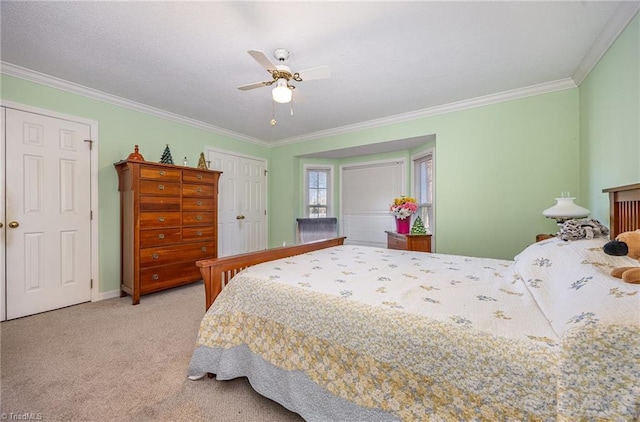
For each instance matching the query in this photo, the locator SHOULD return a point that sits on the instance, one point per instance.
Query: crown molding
(41, 78)
(514, 94)
(53, 82)
(614, 27)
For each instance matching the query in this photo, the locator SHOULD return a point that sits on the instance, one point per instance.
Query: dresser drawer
(160, 237)
(151, 220)
(159, 278)
(163, 174)
(395, 242)
(197, 204)
(198, 233)
(192, 189)
(198, 177)
(159, 203)
(155, 187)
(191, 252)
(195, 218)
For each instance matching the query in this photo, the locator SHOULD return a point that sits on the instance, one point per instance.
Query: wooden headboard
(624, 208)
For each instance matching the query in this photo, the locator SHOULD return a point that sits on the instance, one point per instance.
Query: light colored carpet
(110, 360)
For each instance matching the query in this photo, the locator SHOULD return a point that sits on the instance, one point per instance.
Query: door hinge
(266, 171)
(265, 212)
(91, 215)
(90, 144)
(91, 283)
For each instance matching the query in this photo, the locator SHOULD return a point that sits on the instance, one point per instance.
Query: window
(423, 182)
(318, 192)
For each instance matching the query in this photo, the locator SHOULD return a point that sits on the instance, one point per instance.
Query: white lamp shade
(282, 93)
(566, 208)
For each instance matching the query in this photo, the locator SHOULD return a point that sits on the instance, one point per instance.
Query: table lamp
(565, 209)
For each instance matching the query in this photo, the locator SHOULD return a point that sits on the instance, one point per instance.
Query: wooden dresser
(409, 242)
(168, 220)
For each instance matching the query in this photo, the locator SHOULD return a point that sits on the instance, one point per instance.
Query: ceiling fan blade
(262, 60)
(319, 72)
(254, 85)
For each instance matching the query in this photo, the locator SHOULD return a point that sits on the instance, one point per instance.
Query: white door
(241, 203)
(48, 213)
(3, 228)
(366, 193)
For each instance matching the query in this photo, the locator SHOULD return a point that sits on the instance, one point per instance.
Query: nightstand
(409, 242)
(541, 237)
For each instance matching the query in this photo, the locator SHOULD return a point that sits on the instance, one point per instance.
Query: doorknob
(14, 224)
(239, 217)
(1, 225)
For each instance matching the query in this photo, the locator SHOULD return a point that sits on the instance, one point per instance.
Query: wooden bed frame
(624, 216)
(624, 208)
(217, 272)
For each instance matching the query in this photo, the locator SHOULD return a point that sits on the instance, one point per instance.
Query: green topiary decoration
(418, 227)
(166, 156)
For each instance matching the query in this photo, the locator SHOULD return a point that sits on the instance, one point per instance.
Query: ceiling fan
(281, 74)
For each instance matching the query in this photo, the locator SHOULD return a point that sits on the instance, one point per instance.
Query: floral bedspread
(441, 337)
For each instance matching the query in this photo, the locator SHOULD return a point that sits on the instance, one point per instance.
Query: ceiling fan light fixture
(281, 93)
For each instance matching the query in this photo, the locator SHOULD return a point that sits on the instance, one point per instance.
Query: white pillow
(571, 283)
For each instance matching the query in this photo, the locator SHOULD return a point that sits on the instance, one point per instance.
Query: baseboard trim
(107, 295)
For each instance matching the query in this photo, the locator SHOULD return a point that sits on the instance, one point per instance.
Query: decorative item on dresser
(168, 222)
(409, 242)
(402, 209)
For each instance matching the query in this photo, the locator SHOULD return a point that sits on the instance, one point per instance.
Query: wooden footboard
(217, 272)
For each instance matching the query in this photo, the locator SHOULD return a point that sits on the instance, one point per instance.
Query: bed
(340, 332)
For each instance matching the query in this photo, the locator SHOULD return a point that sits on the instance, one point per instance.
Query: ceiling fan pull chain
(273, 121)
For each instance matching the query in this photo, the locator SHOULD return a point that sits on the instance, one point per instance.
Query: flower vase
(403, 225)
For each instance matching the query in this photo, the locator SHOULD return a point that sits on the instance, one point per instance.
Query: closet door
(3, 267)
(242, 219)
(48, 213)
(367, 191)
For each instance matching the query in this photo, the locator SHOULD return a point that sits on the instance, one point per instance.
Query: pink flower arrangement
(403, 207)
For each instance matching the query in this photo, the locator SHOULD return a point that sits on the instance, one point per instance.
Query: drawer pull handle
(198, 203)
(161, 172)
(161, 187)
(199, 234)
(161, 219)
(161, 236)
(155, 277)
(199, 190)
(155, 256)
(199, 176)
(199, 217)
(203, 249)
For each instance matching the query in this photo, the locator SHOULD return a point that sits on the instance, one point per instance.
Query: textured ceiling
(388, 59)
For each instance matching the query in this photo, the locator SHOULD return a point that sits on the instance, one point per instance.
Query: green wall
(119, 130)
(497, 167)
(610, 122)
